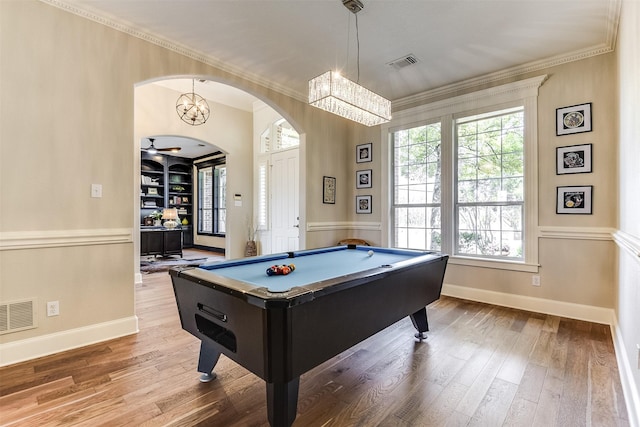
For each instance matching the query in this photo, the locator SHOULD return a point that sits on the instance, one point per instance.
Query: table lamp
(171, 216)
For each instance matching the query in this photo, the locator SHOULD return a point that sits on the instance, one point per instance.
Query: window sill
(494, 264)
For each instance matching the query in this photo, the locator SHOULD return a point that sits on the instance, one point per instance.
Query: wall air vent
(17, 316)
(403, 62)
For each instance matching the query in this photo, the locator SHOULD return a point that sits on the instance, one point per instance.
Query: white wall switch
(96, 190)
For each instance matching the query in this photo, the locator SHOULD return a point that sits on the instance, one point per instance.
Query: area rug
(159, 265)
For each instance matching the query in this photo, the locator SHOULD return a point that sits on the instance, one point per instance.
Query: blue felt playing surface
(311, 266)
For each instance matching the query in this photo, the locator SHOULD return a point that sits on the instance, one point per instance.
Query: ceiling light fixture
(192, 108)
(338, 95)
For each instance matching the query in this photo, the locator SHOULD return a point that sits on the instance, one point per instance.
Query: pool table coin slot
(212, 312)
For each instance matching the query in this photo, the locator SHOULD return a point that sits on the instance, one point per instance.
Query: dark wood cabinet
(161, 241)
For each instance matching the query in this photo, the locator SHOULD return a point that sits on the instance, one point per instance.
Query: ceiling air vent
(403, 62)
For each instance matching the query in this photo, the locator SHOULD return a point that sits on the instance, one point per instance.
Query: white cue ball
(370, 253)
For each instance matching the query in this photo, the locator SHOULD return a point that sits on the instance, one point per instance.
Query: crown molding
(444, 91)
(128, 28)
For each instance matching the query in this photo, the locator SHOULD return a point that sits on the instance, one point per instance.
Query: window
(416, 207)
(463, 175)
(490, 184)
(212, 185)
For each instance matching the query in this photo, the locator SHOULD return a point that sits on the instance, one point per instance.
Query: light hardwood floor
(481, 365)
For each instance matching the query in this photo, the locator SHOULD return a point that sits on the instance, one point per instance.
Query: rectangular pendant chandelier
(343, 97)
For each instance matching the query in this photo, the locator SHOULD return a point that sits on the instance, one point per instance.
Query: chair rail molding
(576, 233)
(344, 225)
(628, 243)
(14, 240)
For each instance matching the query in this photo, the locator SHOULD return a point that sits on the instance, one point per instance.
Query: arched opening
(229, 131)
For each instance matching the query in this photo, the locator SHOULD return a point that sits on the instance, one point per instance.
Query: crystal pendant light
(338, 95)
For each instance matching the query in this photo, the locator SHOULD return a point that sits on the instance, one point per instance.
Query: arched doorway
(229, 128)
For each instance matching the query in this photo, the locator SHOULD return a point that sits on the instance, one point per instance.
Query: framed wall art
(575, 200)
(363, 204)
(573, 159)
(574, 119)
(363, 153)
(328, 190)
(363, 179)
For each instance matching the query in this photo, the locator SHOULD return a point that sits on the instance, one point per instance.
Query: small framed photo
(363, 179)
(575, 200)
(573, 159)
(328, 190)
(185, 200)
(574, 119)
(363, 153)
(363, 204)
(152, 191)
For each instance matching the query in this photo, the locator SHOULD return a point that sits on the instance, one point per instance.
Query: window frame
(521, 93)
(213, 164)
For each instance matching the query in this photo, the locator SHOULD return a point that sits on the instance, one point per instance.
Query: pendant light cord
(358, 48)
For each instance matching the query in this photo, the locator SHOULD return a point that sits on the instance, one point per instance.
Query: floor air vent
(17, 316)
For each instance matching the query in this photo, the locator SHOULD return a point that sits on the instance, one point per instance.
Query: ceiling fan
(153, 150)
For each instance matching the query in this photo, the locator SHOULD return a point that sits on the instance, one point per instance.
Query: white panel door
(284, 196)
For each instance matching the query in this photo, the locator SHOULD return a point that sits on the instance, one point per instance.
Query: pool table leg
(207, 361)
(282, 402)
(419, 319)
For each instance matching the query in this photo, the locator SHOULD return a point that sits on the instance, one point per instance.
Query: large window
(416, 207)
(212, 184)
(464, 177)
(490, 184)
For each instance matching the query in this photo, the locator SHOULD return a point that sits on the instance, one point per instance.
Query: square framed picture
(363, 204)
(152, 191)
(363, 179)
(575, 200)
(573, 159)
(363, 153)
(574, 119)
(328, 190)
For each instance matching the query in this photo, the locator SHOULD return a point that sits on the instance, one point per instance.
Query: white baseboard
(538, 305)
(31, 348)
(629, 387)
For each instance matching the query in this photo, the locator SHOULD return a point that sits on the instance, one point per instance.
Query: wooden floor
(482, 365)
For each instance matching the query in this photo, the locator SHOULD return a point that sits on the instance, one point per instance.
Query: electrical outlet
(96, 190)
(535, 280)
(53, 308)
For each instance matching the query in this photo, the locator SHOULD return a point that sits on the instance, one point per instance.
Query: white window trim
(524, 92)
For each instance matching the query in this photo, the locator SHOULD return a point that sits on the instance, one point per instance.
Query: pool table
(281, 326)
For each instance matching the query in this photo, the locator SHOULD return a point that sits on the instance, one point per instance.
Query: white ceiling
(282, 44)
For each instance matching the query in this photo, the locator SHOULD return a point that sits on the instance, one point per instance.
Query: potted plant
(157, 218)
